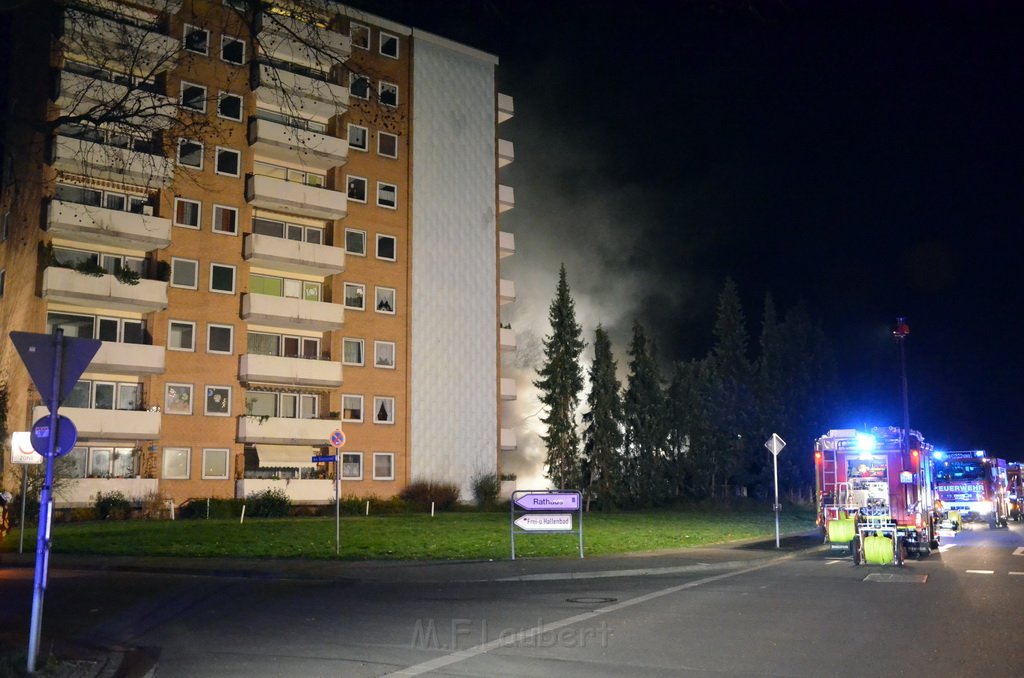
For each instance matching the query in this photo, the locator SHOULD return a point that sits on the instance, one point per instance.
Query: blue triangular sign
(38, 352)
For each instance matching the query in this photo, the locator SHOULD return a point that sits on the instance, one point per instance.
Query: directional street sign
(775, 444)
(553, 501)
(324, 457)
(546, 522)
(38, 352)
(67, 435)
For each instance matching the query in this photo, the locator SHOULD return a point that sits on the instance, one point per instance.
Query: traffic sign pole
(775, 445)
(337, 440)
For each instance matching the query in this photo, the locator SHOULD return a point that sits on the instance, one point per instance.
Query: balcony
(506, 152)
(169, 6)
(506, 198)
(299, 491)
(294, 93)
(112, 163)
(81, 492)
(506, 107)
(506, 339)
(294, 256)
(506, 244)
(508, 439)
(508, 388)
(67, 286)
(312, 150)
(108, 425)
(291, 313)
(80, 94)
(272, 369)
(287, 39)
(101, 226)
(120, 358)
(285, 431)
(506, 291)
(292, 197)
(132, 48)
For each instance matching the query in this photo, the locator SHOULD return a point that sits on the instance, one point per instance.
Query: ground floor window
(102, 462)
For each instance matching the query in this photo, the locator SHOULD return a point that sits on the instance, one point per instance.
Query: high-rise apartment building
(281, 219)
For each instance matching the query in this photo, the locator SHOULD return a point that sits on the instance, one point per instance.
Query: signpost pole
(775, 465)
(337, 501)
(24, 491)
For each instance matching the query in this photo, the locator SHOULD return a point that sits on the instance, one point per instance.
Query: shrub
(270, 503)
(486, 487)
(219, 509)
(422, 493)
(113, 505)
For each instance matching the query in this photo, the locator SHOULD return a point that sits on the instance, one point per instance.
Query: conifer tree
(645, 423)
(602, 437)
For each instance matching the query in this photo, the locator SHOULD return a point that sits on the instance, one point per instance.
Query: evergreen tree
(560, 383)
(602, 437)
(645, 423)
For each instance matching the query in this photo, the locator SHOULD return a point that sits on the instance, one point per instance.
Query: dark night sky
(865, 161)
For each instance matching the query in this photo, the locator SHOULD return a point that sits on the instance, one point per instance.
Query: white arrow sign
(775, 444)
(533, 522)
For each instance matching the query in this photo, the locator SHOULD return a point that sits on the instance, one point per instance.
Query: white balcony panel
(311, 150)
(101, 226)
(80, 94)
(307, 491)
(136, 50)
(288, 39)
(288, 313)
(108, 425)
(297, 94)
(506, 244)
(506, 198)
(283, 431)
(293, 256)
(507, 339)
(68, 286)
(506, 291)
(508, 388)
(123, 165)
(294, 198)
(506, 152)
(168, 6)
(508, 439)
(120, 358)
(82, 492)
(506, 107)
(272, 369)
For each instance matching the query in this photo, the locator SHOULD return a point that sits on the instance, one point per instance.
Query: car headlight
(985, 507)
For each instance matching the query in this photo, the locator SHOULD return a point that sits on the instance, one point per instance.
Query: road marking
(1019, 551)
(980, 571)
(545, 630)
(1017, 574)
(833, 562)
(945, 547)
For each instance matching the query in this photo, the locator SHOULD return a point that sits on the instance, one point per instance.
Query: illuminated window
(215, 464)
(176, 463)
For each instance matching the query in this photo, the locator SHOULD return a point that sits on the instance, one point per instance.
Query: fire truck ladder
(830, 485)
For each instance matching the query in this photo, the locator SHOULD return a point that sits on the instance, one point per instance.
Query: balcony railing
(93, 424)
(508, 388)
(68, 286)
(506, 244)
(94, 158)
(506, 152)
(82, 492)
(286, 39)
(282, 89)
(508, 439)
(304, 491)
(120, 358)
(506, 198)
(135, 49)
(506, 291)
(98, 225)
(506, 339)
(272, 369)
(291, 313)
(285, 431)
(80, 94)
(506, 107)
(278, 142)
(292, 197)
(294, 256)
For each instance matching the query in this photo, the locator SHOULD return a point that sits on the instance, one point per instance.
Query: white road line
(1019, 551)
(1017, 574)
(945, 547)
(980, 571)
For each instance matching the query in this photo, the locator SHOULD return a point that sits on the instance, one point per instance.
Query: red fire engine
(973, 485)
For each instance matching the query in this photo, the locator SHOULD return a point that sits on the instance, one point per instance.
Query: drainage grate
(897, 578)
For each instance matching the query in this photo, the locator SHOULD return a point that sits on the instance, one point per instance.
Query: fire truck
(876, 495)
(973, 485)
(1015, 489)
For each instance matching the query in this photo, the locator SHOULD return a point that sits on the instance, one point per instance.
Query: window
(280, 229)
(355, 294)
(360, 35)
(72, 324)
(352, 466)
(225, 220)
(190, 153)
(388, 93)
(197, 39)
(356, 188)
(228, 161)
(129, 396)
(215, 464)
(389, 45)
(358, 137)
(187, 212)
(384, 354)
(222, 278)
(232, 50)
(193, 96)
(355, 242)
(218, 401)
(176, 463)
(178, 399)
(351, 408)
(383, 410)
(181, 335)
(220, 338)
(383, 466)
(386, 247)
(384, 300)
(352, 351)
(229, 106)
(359, 87)
(184, 273)
(387, 144)
(387, 195)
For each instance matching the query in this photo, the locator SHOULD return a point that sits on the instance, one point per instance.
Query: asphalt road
(743, 611)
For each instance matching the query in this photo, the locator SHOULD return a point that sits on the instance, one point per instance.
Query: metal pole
(337, 501)
(24, 491)
(775, 466)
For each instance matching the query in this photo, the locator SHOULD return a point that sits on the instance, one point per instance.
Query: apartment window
(187, 213)
(184, 273)
(218, 401)
(387, 195)
(356, 188)
(220, 339)
(225, 220)
(72, 324)
(181, 335)
(222, 278)
(197, 39)
(351, 408)
(193, 96)
(384, 301)
(383, 466)
(228, 161)
(280, 229)
(383, 410)
(176, 463)
(384, 354)
(355, 296)
(388, 93)
(386, 245)
(352, 466)
(190, 153)
(360, 35)
(387, 144)
(359, 87)
(229, 106)
(215, 464)
(352, 351)
(355, 242)
(389, 45)
(178, 398)
(357, 137)
(232, 50)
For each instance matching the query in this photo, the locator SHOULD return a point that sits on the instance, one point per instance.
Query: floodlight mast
(900, 334)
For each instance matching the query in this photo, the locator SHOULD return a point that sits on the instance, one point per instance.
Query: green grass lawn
(448, 536)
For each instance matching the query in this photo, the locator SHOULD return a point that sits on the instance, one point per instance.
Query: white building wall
(454, 381)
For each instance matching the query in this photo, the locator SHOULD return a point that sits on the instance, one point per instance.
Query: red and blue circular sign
(338, 438)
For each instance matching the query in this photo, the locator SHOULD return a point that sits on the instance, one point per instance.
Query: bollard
(431, 509)
(243, 515)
